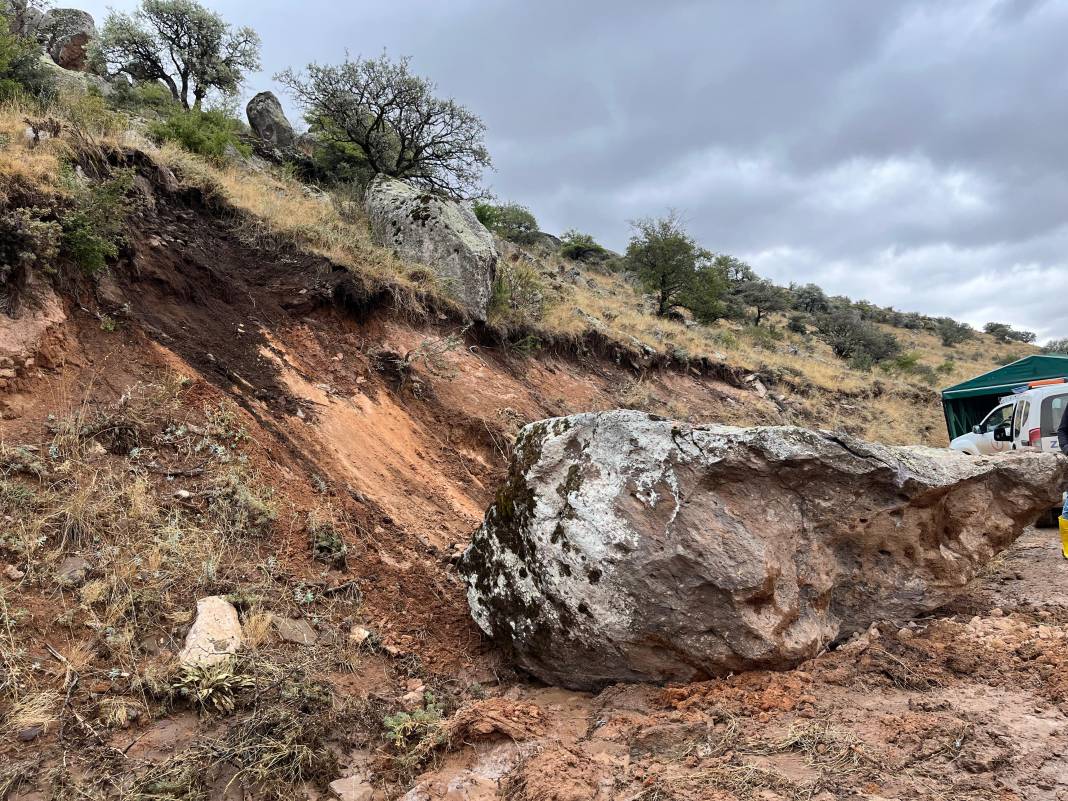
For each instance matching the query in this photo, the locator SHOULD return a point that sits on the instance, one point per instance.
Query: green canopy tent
(967, 404)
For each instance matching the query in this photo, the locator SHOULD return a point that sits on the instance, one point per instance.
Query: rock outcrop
(625, 547)
(443, 235)
(65, 34)
(268, 121)
(25, 20)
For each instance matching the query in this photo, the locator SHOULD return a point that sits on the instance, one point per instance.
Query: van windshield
(1002, 414)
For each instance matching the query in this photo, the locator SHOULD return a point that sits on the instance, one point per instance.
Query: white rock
(352, 788)
(215, 635)
(628, 547)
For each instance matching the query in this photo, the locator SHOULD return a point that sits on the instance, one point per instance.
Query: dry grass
(277, 212)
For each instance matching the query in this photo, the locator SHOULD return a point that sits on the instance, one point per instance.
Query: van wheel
(1049, 519)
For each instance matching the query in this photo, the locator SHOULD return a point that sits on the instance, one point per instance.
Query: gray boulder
(25, 19)
(625, 547)
(268, 121)
(432, 230)
(65, 34)
(75, 82)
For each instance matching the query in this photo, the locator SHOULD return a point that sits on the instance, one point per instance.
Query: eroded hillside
(254, 402)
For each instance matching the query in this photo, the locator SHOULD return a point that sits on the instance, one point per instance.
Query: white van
(1026, 421)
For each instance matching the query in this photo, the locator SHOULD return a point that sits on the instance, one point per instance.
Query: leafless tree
(394, 118)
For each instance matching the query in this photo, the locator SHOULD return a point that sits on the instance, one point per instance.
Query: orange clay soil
(396, 427)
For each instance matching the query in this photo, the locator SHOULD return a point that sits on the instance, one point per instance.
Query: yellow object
(1064, 536)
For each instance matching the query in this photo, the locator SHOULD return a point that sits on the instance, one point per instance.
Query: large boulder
(445, 236)
(625, 547)
(65, 34)
(268, 121)
(75, 82)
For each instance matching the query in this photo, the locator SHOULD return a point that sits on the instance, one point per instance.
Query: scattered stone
(215, 635)
(359, 635)
(619, 532)
(295, 631)
(352, 788)
(72, 571)
(14, 573)
(432, 230)
(30, 733)
(413, 700)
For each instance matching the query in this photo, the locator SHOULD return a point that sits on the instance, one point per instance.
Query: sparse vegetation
(213, 134)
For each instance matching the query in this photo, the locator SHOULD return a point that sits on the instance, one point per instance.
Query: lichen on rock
(626, 547)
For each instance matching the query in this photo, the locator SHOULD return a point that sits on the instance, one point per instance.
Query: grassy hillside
(546, 300)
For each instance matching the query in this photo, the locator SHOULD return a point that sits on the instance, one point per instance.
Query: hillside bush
(857, 340)
(518, 295)
(510, 221)
(582, 247)
(20, 64)
(952, 332)
(1005, 333)
(94, 227)
(206, 133)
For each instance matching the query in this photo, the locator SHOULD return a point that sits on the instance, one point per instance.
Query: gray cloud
(909, 153)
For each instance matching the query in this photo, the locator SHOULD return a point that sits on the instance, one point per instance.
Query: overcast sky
(910, 153)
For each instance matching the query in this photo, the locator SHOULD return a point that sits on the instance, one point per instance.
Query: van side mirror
(1003, 433)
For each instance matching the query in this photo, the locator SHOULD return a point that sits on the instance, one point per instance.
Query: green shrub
(763, 336)
(796, 324)
(415, 735)
(509, 221)
(518, 295)
(26, 241)
(947, 367)
(206, 133)
(94, 227)
(147, 99)
(856, 340)
(581, 247)
(20, 65)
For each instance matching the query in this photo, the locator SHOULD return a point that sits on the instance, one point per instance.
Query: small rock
(183, 495)
(295, 631)
(14, 573)
(413, 700)
(352, 788)
(905, 634)
(72, 571)
(997, 612)
(215, 634)
(359, 635)
(30, 733)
